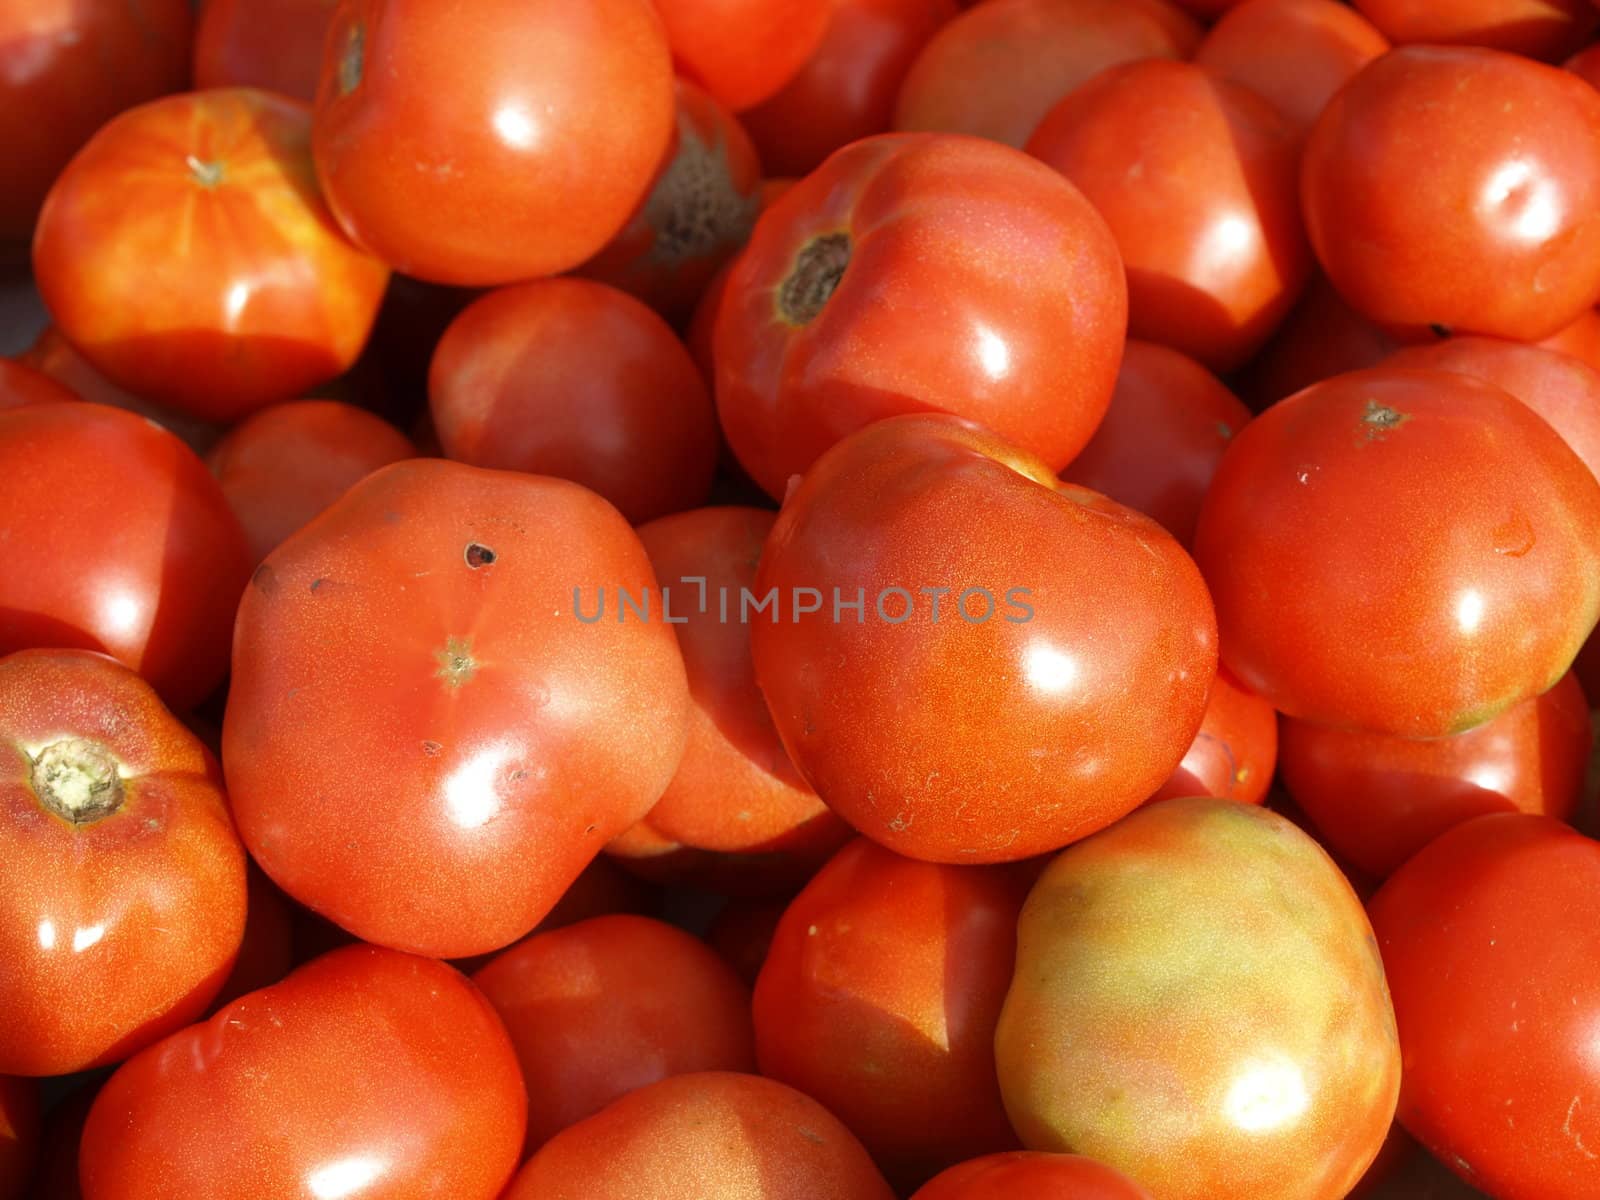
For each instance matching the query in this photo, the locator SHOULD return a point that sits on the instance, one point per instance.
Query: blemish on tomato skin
(1378, 420)
(265, 579)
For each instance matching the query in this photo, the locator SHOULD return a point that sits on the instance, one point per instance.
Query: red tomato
(643, 851)
(603, 889)
(608, 1005)
(459, 142)
(1322, 337)
(1586, 64)
(1030, 661)
(1195, 175)
(507, 739)
(266, 953)
(122, 895)
(66, 69)
(117, 540)
(271, 44)
(997, 69)
(858, 1007)
(19, 1135)
(1199, 1003)
(575, 379)
(1398, 1149)
(1547, 29)
(698, 337)
(1234, 754)
(1459, 188)
(21, 385)
(847, 88)
(1407, 552)
(1581, 339)
(287, 463)
(742, 934)
(1169, 422)
(917, 272)
(365, 1073)
(710, 1136)
(1490, 937)
(1036, 1176)
(742, 51)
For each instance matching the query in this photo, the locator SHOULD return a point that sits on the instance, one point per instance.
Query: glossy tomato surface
(19, 1135)
(1236, 751)
(1037, 1176)
(270, 44)
(742, 51)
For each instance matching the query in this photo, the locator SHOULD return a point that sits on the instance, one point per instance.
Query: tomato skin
(364, 1064)
(1118, 652)
(1321, 337)
(742, 51)
(1453, 530)
(266, 951)
(19, 1135)
(1236, 751)
(275, 45)
(1432, 199)
(428, 147)
(1019, 299)
(1548, 29)
(118, 541)
(118, 926)
(1270, 1072)
(742, 934)
(1037, 1176)
(20, 384)
(513, 741)
(576, 379)
(1489, 939)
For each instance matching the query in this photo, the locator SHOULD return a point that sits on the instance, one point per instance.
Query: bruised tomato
(270, 44)
(1036, 1176)
(1236, 751)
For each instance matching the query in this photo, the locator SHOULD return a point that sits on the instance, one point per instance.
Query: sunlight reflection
(1049, 669)
(471, 792)
(1267, 1096)
(345, 1177)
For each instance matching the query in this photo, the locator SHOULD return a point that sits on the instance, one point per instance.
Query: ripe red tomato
(21, 385)
(1586, 64)
(1407, 552)
(1236, 751)
(997, 69)
(1459, 188)
(742, 51)
(1199, 1003)
(742, 934)
(643, 851)
(1322, 337)
(1036, 1176)
(462, 143)
(19, 1135)
(428, 620)
(1581, 339)
(366, 1072)
(117, 540)
(917, 272)
(122, 889)
(65, 70)
(1489, 937)
(608, 1005)
(270, 44)
(1161, 440)
(288, 462)
(712, 1136)
(1549, 29)
(1196, 176)
(1055, 686)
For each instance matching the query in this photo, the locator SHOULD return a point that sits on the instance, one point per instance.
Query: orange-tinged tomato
(1034, 1175)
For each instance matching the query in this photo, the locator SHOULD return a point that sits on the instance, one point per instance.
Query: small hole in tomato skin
(818, 268)
(479, 555)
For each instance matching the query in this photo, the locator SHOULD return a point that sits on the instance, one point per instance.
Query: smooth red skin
(1489, 937)
(997, 68)
(644, 852)
(1294, 53)
(366, 1063)
(847, 89)
(1378, 800)
(271, 44)
(1322, 337)
(879, 998)
(287, 463)
(1548, 29)
(1586, 65)
(576, 379)
(57, 1175)
(420, 171)
(966, 742)
(608, 1005)
(1581, 339)
(711, 1136)
(497, 783)
(742, 934)
(1340, 553)
(1196, 176)
(743, 51)
(120, 541)
(1411, 210)
(979, 283)
(66, 69)
(19, 1135)
(115, 932)
(1236, 751)
(1161, 440)
(1034, 1175)
(20, 384)
(266, 954)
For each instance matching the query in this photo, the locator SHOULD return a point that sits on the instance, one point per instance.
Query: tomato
(1398, 1149)
(742, 934)
(702, 325)
(57, 1175)
(122, 882)
(1548, 29)
(1402, 551)
(611, 1004)
(1489, 936)
(1169, 422)
(1208, 9)
(459, 142)
(19, 1135)
(742, 51)
(270, 44)
(997, 69)
(366, 1072)
(266, 953)
(1295, 53)
(1037, 1176)
(1581, 339)
(66, 69)
(847, 88)
(1322, 337)
(643, 851)
(1196, 176)
(428, 624)
(1459, 188)
(916, 272)
(117, 540)
(1199, 1003)
(1586, 64)
(578, 380)
(21, 385)
(711, 1136)
(288, 462)
(1057, 683)
(1236, 751)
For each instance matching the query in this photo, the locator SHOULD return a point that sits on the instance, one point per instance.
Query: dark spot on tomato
(479, 555)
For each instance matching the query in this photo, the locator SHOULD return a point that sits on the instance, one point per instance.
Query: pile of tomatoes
(799, 599)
